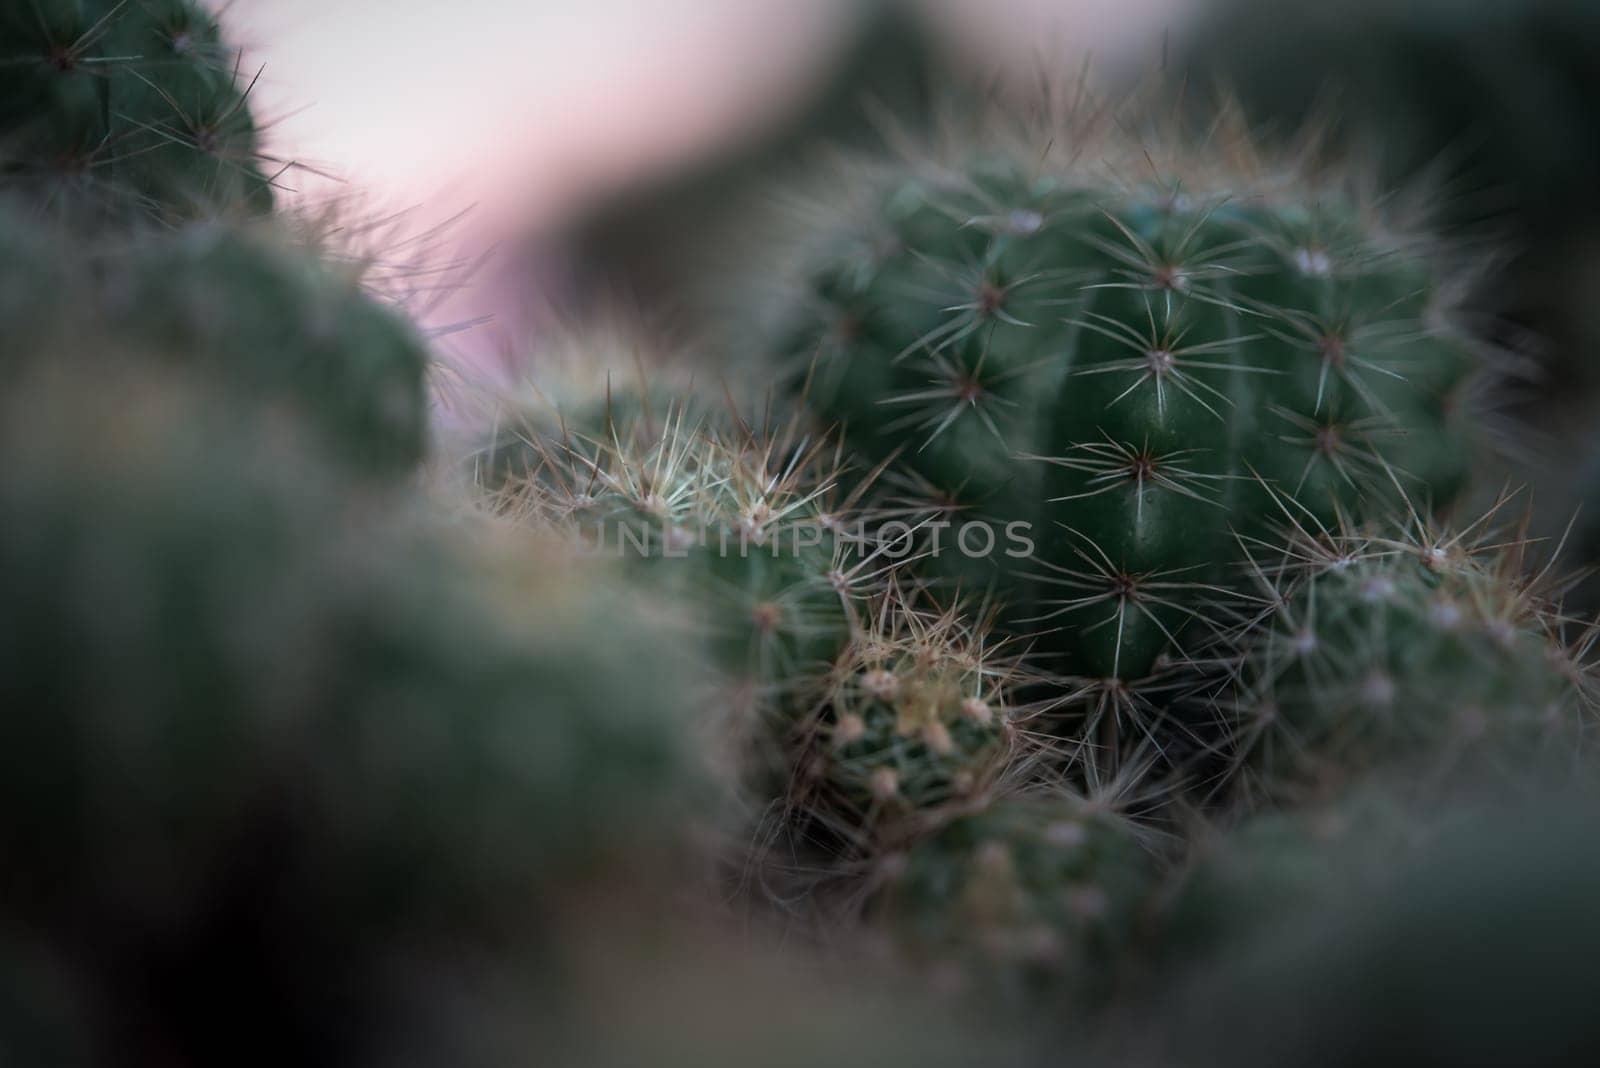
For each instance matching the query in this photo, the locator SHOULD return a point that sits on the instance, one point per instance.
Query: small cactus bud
(977, 710)
(850, 729)
(936, 736)
(881, 684)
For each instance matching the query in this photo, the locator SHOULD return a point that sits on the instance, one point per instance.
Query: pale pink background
(527, 108)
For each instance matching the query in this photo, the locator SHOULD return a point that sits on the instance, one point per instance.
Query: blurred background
(592, 143)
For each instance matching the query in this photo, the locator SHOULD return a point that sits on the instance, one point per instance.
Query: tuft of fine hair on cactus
(921, 712)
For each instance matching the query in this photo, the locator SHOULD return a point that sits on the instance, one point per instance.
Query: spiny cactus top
(1415, 643)
(922, 712)
(1134, 351)
(125, 108)
(749, 530)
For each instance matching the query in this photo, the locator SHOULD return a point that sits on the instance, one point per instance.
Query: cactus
(268, 735)
(1423, 645)
(1129, 351)
(38, 278)
(1504, 154)
(126, 109)
(745, 530)
(275, 321)
(922, 712)
(1022, 892)
(255, 307)
(1472, 952)
(1285, 867)
(588, 383)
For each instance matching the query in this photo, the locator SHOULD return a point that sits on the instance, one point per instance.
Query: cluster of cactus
(1231, 411)
(1086, 613)
(1223, 413)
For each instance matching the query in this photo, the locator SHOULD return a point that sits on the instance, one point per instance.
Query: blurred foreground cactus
(256, 307)
(260, 727)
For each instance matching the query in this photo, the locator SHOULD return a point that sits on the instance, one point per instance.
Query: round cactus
(126, 109)
(1133, 355)
(922, 712)
(267, 728)
(1288, 867)
(746, 531)
(1422, 646)
(1472, 952)
(277, 322)
(590, 384)
(1024, 890)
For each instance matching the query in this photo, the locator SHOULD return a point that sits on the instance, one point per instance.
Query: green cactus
(921, 713)
(262, 308)
(1505, 154)
(586, 384)
(745, 530)
(268, 734)
(1433, 647)
(1129, 353)
(1021, 892)
(38, 279)
(280, 321)
(126, 109)
(1472, 952)
(1282, 867)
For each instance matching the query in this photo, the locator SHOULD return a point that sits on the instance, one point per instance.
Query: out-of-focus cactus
(1289, 866)
(38, 279)
(126, 109)
(274, 320)
(1136, 353)
(1022, 893)
(258, 309)
(272, 743)
(1473, 953)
